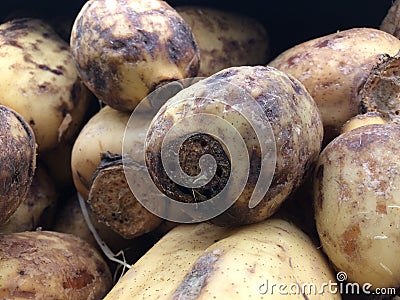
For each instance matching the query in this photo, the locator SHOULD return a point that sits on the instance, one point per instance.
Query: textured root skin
(113, 202)
(18, 161)
(31, 260)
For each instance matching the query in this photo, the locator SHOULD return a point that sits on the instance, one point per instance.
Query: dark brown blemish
(194, 282)
(46, 68)
(13, 43)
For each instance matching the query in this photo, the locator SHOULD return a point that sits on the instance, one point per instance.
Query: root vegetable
(104, 185)
(334, 68)
(285, 105)
(357, 201)
(203, 261)
(104, 132)
(113, 202)
(50, 265)
(125, 49)
(40, 202)
(225, 39)
(17, 161)
(38, 75)
(362, 120)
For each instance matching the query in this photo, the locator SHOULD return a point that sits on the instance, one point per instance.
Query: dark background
(288, 22)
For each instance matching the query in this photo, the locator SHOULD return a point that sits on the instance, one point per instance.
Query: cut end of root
(381, 91)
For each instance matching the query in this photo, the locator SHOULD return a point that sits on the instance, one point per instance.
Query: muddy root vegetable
(357, 204)
(101, 181)
(283, 104)
(334, 68)
(125, 49)
(104, 132)
(204, 261)
(38, 207)
(51, 265)
(17, 160)
(39, 81)
(219, 32)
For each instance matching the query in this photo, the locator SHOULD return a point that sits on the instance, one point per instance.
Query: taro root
(357, 204)
(51, 265)
(99, 176)
(17, 161)
(225, 39)
(39, 80)
(125, 49)
(103, 132)
(334, 68)
(284, 106)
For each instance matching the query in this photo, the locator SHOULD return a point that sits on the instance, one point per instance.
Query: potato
(17, 161)
(204, 261)
(334, 68)
(282, 103)
(39, 81)
(40, 202)
(103, 132)
(225, 39)
(125, 49)
(50, 265)
(357, 201)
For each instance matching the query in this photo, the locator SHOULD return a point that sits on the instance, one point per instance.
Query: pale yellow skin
(50, 265)
(362, 120)
(41, 195)
(357, 204)
(333, 67)
(103, 132)
(39, 81)
(225, 39)
(163, 267)
(125, 49)
(231, 264)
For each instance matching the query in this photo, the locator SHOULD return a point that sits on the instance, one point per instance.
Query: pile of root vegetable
(315, 128)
